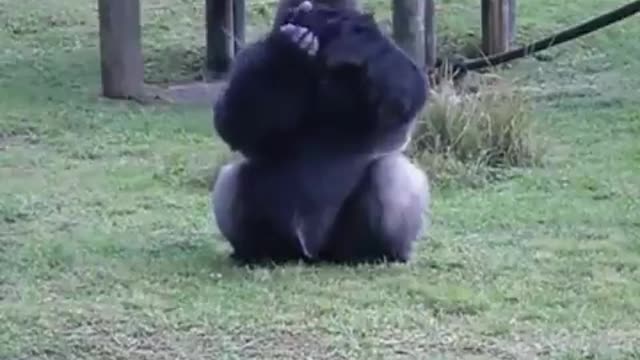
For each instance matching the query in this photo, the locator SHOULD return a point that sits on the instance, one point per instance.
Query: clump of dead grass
(471, 131)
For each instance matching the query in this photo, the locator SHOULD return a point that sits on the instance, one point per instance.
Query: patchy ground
(107, 250)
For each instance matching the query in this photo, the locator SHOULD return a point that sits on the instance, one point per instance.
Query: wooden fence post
(430, 39)
(122, 63)
(408, 28)
(496, 26)
(220, 34)
(512, 22)
(239, 24)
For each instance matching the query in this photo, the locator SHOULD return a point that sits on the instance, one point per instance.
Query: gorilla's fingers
(302, 36)
(307, 41)
(305, 6)
(313, 50)
(294, 32)
(310, 44)
(288, 29)
(299, 34)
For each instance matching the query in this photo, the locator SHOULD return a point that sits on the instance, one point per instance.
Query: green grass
(107, 250)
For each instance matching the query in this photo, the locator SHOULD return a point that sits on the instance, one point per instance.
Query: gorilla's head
(346, 35)
(286, 7)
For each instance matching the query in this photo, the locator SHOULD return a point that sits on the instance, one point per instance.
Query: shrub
(468, 134)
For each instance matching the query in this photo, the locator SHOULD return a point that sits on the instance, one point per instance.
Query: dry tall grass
(469, 133)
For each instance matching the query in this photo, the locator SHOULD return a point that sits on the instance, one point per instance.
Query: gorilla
(320, 110)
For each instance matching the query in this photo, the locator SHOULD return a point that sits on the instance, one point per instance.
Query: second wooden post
(408, 28)
(220, 38)
(497, 24)
(122, 62)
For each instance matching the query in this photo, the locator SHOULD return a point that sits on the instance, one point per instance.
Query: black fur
(322, 137)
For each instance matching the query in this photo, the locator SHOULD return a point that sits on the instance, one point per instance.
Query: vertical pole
(408, 28)
(512, 22)
(219, 25)
(495, 26)
(239, 24)
(122, 64)
(430, 39)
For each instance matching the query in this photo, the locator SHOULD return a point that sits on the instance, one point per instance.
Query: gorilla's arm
(267, 93)
(395, 89)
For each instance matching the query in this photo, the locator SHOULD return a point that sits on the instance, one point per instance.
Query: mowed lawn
(108, 251)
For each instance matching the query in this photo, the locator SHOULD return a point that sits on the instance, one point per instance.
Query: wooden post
(408, 28)
(512, 22)
(430, 39)
(220, 44)
(239, 24)
(122, 64)
(495, 26)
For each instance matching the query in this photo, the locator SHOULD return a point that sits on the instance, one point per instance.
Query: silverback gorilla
(321, 110)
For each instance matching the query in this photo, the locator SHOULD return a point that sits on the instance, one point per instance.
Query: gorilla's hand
(301, 35)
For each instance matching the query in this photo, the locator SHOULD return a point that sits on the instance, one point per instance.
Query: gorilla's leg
(246, 214)
(385, 216)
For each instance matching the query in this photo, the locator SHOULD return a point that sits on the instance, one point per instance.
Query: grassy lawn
(107, 249)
